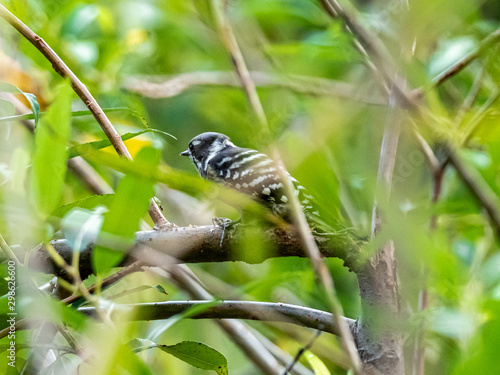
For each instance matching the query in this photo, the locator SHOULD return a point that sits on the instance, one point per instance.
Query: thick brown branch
(249, 310)
(202, 244)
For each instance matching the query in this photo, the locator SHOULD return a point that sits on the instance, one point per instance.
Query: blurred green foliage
(330, 144)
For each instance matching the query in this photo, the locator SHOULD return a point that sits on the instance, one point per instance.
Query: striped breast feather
(248, 171)
(255, 174)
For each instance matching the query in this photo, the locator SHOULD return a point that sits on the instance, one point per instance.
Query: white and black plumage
(217, 159)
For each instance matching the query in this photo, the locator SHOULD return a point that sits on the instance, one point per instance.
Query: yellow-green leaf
(316, 364)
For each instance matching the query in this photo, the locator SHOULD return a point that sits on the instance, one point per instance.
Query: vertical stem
(380, 344)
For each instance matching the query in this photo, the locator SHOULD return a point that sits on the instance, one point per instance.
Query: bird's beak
(185, 153)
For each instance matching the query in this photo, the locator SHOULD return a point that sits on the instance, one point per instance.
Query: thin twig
(282, 356)
(228, 38)
(460, 65)
(479, 189)
(134, 267)
(8, 251)
(456, 68)
(112, 279)
(81, 90)
(301, 352)
(371, 46)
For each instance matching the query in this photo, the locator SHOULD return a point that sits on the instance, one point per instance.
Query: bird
(218, 159)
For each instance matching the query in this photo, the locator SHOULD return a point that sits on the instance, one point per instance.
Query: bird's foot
(227, 225)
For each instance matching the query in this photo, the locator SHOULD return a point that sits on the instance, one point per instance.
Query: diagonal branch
(461, 64)
(81, 90)
(479, 189)
(372, 47)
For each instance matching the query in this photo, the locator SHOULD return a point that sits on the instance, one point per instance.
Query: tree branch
(235, 329)
(372, 47)
(461, 64)
(202, 244)
(167, 87)
(479, 189)
(248, 310)
(379, 342)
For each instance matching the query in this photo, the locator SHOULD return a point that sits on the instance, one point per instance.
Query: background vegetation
(326, 113)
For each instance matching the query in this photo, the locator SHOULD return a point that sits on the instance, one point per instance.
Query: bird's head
(204, 146)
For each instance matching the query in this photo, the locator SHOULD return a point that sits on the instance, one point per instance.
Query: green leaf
(35, 107)
(129, 206)
(198, 355)
(316, 364)
(85, 148)
(87, 203)
(482, 357)
(49, 161)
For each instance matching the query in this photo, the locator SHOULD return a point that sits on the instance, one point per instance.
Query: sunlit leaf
(316, 364)
(85, 148)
